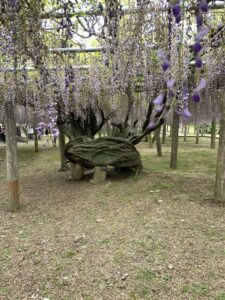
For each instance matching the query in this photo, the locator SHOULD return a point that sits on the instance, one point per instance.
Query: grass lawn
(154, 236)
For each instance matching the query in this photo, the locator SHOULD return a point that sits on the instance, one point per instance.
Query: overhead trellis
(101, 12)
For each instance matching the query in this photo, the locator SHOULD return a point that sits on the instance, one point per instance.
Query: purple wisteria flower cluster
(202, 31)
(175, 6)
(176, 9)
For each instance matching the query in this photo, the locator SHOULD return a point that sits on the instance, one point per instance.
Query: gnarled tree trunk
(116, 152)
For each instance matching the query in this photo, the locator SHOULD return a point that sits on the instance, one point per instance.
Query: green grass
(145, 274)
(192, 159)
(221, 296)
(70, 253)
(140, 293)
(196, 290)
(119, 258)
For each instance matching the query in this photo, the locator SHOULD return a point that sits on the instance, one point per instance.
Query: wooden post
(182, 128)
(219, 190)
(35, 134)
(170, 130)
(164, 134)
(197, 134)
(203, 128)
(150, 143)
(35, 140)
(185, 132)
(63, 162)
(77, 171)
(99, 174)
(11, 157)
(197, 127)
(213, 133)
(158, 141)
(174, 144)
(188, 128)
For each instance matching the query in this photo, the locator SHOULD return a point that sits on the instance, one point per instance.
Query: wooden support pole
(150, 142)
(77, 171)
(170, 130)
(197, 126)
(197, 134)
(11, 157)
(175, 137)
(213, 133)
(35, 135)
(188, 128)
(185, 132)
(219, 190)
(99, 174)
(35, 140)
(164, 134)
(158, 141)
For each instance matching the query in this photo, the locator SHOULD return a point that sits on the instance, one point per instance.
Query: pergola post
(219, 190)
(11, 157)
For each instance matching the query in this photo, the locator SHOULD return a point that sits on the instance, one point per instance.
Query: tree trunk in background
(63, 160)
(150, 143)
(35, 140)
(197, 134)
(11, 157)
(213, 133)
(188, 128)
(175, 138)
(35, 135)
(182, 128)
(185, 132)
(219, 191)
(170, 130)
(158, 141)
(203, 128)
(164, 134)
(167, 128)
